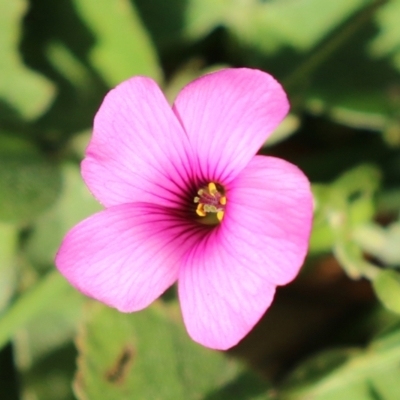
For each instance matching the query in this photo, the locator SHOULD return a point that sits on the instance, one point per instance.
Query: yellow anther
(212, 188)
(210, 201)
(200, 211)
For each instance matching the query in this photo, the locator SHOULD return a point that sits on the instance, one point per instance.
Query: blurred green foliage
(340, 63)
(349, 373)
(24, 91)
(149, 354)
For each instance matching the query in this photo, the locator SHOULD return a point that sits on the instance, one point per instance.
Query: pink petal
(222, 297)
(228, 115)
(125, 256)
(270, 208)
(139, 151)
(228, 279)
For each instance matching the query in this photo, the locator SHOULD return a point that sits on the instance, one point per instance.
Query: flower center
(211, 200)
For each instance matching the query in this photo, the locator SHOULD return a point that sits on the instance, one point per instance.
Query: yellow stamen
(212, 188)
(211, 201)
(200, 210)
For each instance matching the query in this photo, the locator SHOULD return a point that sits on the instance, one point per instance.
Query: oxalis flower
(186, 199)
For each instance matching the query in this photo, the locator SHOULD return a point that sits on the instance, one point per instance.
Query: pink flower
(186, 199)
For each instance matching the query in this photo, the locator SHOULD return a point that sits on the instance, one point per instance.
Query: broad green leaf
(49, 378)
(358, 96)
(8, 273)
(21, 88)
(385, 385)
(270, 25)
(146, 355)
(74, 204)
(246, 386)
(52, 288)
(354, 374)
(43, 349)
(387, 288)
(362, 95)
(54, 327)
(122, 48)
(387, 42)
(29, 182)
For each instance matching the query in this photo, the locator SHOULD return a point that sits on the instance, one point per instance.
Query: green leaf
(363, 96)
(23, 89)
(363, 178)
(340, 209)
(8, 273)
(54, 327)
(387, 42)
(270, 25)
(29, 182)
(358, 97)
(383, 243)
(31, 303)
(349, 374)
(322, 236)
(362, 210)
(74, 204)
(49, 378)
(43, 349)
(387, 288)
(123, 48)
(246, 386)
(145, 355)
(352, 260)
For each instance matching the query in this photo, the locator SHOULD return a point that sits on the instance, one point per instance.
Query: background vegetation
(332, 334)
